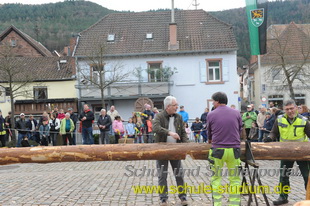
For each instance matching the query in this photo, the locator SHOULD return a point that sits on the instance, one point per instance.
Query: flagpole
(260, 78)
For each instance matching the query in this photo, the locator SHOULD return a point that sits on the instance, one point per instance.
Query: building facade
(187, 54)
(286, 63)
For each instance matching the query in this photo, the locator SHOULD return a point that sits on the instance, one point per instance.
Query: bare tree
(15, 80)
(289, 55)
(102, 73)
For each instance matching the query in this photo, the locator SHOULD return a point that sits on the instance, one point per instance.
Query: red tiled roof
(290, 41)
(38, 68)
(37, 45)
(197, 31)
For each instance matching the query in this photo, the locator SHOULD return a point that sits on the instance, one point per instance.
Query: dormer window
(111, 37)
(13, 42)
(149, 36)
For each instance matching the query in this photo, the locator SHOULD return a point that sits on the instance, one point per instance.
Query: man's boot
(280, 201)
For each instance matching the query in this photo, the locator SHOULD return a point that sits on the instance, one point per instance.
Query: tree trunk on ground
(161, 151)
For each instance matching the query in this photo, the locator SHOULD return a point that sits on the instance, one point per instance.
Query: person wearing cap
(74, 119)
(183, 114)
(21, 126)
(2, 130)
(247, 118)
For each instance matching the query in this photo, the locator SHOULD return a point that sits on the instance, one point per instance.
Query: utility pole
(196, 4)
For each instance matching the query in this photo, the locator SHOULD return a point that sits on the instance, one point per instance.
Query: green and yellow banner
(257, 21)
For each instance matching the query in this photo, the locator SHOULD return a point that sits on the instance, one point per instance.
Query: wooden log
(160, 151)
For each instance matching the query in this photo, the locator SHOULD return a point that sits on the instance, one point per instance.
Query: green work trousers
(218, 157)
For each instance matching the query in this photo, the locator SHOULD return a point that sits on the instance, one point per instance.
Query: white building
(200, 50)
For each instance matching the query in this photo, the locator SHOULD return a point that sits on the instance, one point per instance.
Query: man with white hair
(104, 122)
(168, 127)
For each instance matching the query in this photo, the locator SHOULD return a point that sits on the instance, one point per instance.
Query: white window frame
(156, 70)
(214, 68)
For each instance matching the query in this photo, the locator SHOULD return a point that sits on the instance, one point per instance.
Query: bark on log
(160, 151)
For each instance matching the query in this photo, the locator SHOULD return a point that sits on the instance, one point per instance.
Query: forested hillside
(53, 24)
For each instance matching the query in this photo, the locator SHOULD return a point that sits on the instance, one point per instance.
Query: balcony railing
(127, 89)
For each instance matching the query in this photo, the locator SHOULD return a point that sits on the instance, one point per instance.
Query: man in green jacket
(248, 118)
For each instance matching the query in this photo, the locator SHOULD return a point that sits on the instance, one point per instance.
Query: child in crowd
(187, 130)
(253, 136)
(139, 130)
(25, 142)
(130, 129)
(118, 128)
(196, 128)
(44, 131)
(149, 134)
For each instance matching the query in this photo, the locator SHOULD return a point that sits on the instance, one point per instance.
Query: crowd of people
(48, 130)
(259, 123)
(224, 134)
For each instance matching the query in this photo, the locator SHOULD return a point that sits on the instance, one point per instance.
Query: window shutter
(225, 71)
(203, 71)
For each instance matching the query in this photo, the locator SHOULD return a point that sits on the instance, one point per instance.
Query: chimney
(173, 43)
(72, 45)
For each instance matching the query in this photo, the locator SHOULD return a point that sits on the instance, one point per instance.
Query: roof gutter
(167, 53)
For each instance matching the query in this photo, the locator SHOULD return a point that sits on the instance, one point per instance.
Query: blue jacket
(184, 115)
(268, 123)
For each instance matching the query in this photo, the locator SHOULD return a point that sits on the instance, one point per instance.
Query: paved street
(104, 183)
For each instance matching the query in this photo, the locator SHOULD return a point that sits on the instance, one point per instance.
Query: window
(111, 37)
(275, 75)
(214, 70)
(149, 36)
(7, 91)
(40, 93)
(96, 71)
(276, 99)
(300, 99)
(13, 42)
(155, 71)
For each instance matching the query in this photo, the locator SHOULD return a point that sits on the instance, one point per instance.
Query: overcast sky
(144, 5)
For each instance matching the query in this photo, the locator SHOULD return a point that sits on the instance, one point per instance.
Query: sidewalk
(105, 183)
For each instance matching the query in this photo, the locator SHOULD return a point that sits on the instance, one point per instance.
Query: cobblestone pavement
(104, 183)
